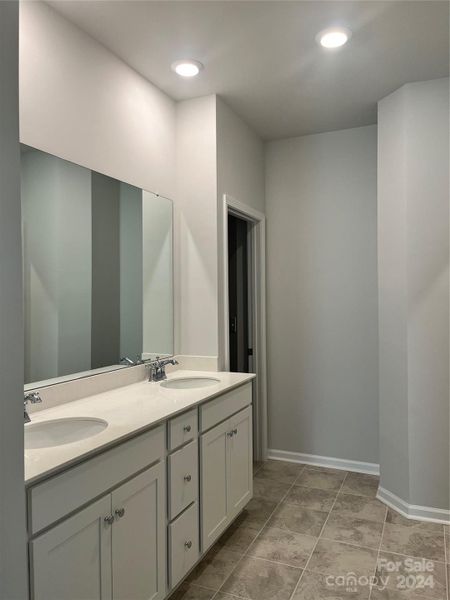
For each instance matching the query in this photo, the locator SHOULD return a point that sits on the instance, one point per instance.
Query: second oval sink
(62, 431)
(189, 383)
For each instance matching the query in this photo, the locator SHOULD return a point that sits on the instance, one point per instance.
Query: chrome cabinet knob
(119, 512)
(109, 520)
(230, 434)
(187, 478)
(187, 428)
(235, 431)
(188, 545)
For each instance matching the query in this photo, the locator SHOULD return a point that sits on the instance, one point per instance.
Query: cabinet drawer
(224, 406)
(183, 478)
(184, 544)
(62, 494)
(183, 429)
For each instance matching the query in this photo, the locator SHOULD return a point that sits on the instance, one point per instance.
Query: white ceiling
(262, 58)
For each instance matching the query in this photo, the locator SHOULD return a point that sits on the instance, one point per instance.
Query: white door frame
(258, 220)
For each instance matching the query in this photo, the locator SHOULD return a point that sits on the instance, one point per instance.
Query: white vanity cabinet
(129, 523)
(226, 464)
(115, 547)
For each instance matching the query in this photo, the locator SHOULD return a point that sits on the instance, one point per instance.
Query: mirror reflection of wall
(157, 288)
(97, 269)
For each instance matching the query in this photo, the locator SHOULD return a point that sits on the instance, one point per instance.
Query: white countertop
(128, 410)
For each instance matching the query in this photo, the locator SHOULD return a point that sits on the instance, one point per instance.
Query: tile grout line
(244, 555)
(228, 594)
(318, 538)
(273, 511)
(353, 544)
(378, 552)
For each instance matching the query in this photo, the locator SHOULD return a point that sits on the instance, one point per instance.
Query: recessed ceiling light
(333, 37)
(187, 68)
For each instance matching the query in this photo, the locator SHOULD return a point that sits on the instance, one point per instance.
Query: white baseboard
(325, 461)
(413, 511)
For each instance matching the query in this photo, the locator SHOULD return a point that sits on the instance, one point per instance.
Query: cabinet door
(214, 483)
(72, 561)
(240, 485)
(139, 538)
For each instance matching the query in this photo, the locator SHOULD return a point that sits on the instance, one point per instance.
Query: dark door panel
(238, 294)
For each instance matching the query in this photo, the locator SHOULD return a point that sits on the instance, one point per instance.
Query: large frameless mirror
(98, 272)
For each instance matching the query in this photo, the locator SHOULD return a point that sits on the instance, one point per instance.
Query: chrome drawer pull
(187, 478)
(109, 519)
(187, 428)
(230, 434)
(119, 512)
(188, 545)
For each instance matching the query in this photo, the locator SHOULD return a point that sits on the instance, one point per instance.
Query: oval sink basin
(189, 383)
(62, 431)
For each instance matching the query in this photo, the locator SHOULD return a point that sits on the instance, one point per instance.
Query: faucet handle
(32, 398)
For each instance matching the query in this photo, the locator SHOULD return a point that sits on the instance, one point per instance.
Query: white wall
(196, 289)
(322, 294)
(80, 102)
(240, 174)
(217, 154)
(240, 159)
(13, 578)
(413, 241)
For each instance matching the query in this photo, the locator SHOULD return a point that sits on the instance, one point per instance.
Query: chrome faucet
(157, 368)
(32, 398)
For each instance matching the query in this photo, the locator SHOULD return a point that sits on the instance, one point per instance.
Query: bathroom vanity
(127, 512)
(129, 482)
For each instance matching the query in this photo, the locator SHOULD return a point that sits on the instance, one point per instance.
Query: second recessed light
(187, 68)
(333, 37)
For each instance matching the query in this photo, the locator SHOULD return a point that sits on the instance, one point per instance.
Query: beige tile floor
(309, 533)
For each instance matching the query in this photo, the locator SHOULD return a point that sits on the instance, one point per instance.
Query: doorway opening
(239, 294)
(243, 346)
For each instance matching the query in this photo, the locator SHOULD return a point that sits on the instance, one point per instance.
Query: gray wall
(322, 294)
(413, 242)
(131, 274)
(56, 204)
(105, 341)
(13, 578)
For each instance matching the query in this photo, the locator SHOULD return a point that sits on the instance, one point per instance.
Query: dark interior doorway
(239, 294)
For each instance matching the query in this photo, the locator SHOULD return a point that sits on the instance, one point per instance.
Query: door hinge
(233, 324)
